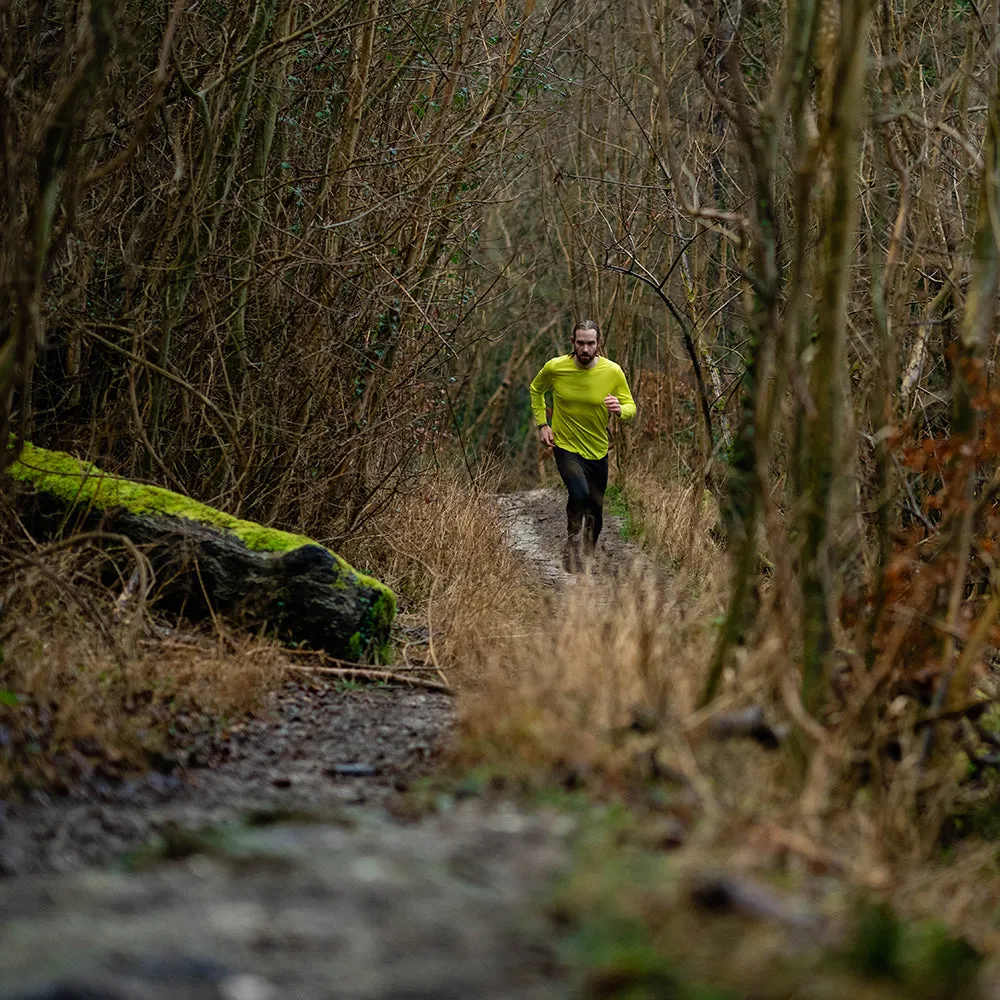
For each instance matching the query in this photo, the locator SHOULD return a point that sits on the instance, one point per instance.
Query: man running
(587, 390)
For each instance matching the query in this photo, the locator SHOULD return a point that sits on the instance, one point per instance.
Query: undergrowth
(589, 691)
(617, 505)
(595, 691)
(606, 662)
(91, 686)
(462, 591)
(702, 924)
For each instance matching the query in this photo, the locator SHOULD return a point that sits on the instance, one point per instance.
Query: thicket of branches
(786, 217)
(236, 237)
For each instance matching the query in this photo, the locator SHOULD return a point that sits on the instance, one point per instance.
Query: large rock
(305, 591)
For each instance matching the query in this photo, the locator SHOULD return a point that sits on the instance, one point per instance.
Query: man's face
(585, 345)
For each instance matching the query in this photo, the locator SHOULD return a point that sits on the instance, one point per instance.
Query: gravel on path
(319, 748)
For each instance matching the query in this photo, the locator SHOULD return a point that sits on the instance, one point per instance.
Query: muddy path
(535, 521)
(276, 859)
(316, 749)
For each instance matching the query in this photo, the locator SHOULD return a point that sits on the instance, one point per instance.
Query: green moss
(356, 646)
(924, 958)
(80, 483)
(940, 965)
(384, 610)
(875, 947)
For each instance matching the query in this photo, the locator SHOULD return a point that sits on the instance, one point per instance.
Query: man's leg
(571, 469)
(596, 471)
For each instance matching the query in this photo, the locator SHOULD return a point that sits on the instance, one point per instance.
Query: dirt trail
(317, 749)
(278, 864)
(277, 867)
(360, 908)
(536, 525)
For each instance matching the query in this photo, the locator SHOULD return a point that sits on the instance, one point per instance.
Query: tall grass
(596, 686)
(444, 551)
(607, 656)
(599, 684)
(551, 680)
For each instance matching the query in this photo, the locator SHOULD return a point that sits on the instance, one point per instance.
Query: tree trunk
(825, 431)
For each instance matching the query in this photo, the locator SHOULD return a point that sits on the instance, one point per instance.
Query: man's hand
(611, 402)
(545, 436)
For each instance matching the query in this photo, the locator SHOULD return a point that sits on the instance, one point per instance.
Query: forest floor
(327, 848)
(284, 857)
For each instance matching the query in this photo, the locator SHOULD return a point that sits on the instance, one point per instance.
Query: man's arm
(540, 385)
(625, 398)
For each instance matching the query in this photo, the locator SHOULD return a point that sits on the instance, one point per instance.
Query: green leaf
(9, 698)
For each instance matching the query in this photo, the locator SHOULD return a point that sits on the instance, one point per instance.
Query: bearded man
(588, 390)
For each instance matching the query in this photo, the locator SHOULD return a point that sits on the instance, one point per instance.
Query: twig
(793, 702)
(971, 711)
(369, 674)
(770, 835)
(347, 664)
(723, 892)
(689, 345)
(143, 576)
(160, 80)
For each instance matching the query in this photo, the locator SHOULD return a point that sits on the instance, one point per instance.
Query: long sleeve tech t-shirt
(579, 417)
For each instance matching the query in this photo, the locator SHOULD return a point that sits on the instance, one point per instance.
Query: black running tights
(586, 480)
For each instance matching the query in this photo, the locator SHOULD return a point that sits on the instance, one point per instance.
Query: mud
(536, 525)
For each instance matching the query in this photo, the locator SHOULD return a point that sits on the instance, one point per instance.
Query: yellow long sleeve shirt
(579, 417)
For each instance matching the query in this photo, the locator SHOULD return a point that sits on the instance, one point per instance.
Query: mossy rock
(239, 568)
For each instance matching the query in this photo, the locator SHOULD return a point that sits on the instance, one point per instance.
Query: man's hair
(586, 324)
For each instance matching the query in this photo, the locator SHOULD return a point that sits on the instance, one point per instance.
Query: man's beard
(584, 357)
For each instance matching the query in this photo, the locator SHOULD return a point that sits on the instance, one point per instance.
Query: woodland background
(299, 261)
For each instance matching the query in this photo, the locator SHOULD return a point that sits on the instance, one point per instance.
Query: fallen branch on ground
(358, 672)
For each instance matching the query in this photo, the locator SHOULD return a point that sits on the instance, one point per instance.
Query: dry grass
(84, 680)
(552, 683)
(606, 655)
(85, 683)
(676, 519)
(549, 683)
(598, 686)
(445, 553)
(562, 695)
